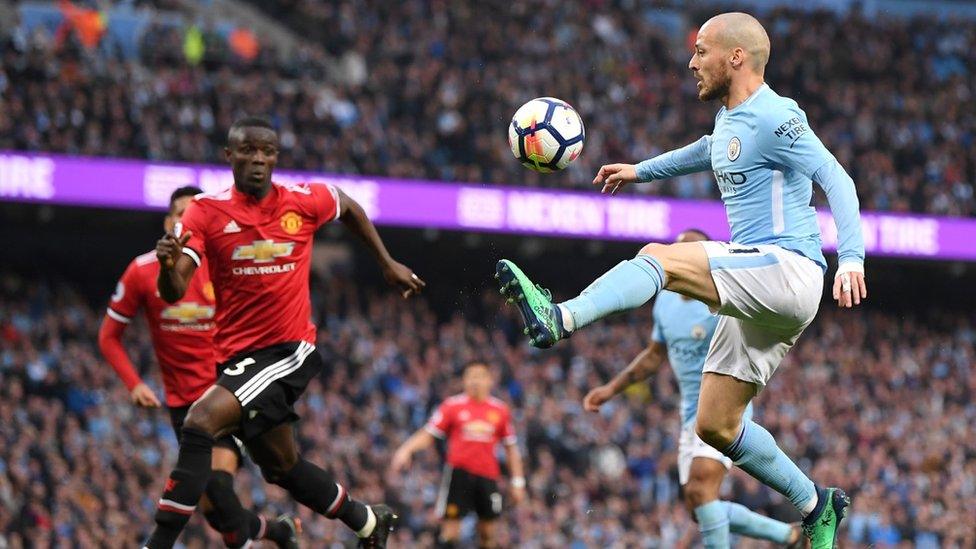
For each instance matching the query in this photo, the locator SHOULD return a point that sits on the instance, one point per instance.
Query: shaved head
(740, 30)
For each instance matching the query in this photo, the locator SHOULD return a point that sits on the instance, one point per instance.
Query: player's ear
(737, 57)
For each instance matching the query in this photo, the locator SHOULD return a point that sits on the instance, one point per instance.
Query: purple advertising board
(138, 184)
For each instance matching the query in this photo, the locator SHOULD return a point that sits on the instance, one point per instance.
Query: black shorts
(267, 382)
(178, 415)
(462, 492)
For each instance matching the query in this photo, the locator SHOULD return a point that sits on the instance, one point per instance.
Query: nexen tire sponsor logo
(264, 269)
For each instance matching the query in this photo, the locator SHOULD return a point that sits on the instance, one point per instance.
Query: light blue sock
(744, 522)
(629, 285)
(755, 452)
(713, 523)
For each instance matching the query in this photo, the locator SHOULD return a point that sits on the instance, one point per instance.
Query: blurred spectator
(426, 89)
(890, 420)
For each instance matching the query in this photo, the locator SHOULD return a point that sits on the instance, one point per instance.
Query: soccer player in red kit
(182, 336)
(474, 422)
(257, 239)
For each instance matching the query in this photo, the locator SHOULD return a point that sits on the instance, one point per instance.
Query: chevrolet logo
(263, 251)
(188, 312)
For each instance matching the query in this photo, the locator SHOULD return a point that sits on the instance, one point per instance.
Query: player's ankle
(367, 530)
(569, 325)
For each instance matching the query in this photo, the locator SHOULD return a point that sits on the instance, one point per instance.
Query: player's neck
(256, 193)
(477, 397)
(740, 91)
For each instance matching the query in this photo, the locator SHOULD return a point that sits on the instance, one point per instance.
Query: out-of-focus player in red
(474, 422)
(182, 336)
(257, 239)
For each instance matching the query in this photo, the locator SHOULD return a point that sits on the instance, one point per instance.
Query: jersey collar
(248, 200)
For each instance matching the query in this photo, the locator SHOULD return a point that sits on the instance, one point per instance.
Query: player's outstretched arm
(355, 219)
(695, 157)
(643, 365)
(417, 441)
(849, 284)
(175, 267)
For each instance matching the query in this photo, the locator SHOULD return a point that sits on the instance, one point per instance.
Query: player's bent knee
(655, 250)
(717, 435)
(276, 473)
(696, 495)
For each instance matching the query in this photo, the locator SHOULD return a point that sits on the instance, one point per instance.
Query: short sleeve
(785, 138)
(657, 334)
(506, 430)
(439, 423)
(125, 301)
(326, 203)
(194, 220)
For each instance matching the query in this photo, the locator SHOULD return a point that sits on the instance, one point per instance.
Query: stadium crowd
(881, 404)
(426, 89)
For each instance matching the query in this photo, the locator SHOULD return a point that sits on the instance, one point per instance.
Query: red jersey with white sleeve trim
(182, 332)
(259, 255)
(473, 428)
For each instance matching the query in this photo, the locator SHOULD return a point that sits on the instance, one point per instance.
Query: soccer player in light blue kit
(766, 284)
(683, 330)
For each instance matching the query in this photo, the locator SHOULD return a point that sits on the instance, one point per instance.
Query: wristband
(518, 482)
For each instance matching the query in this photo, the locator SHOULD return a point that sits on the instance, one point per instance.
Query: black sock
(235, 523)
(183, 489)
(316, 489)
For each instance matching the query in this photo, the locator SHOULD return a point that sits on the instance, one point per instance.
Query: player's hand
(401, 460)
(849, 286)
(614, 177)
(518, 496)
(142, 396)
(596, 397)
(170, 247)
(401, 276)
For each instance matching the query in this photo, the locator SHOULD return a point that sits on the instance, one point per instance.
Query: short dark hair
(250, 122)
(699, 231)
(476, 362)
(188, 190)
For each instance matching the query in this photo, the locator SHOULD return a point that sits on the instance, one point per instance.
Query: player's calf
(183, 489)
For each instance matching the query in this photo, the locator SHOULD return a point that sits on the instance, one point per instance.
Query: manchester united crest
(291, 222)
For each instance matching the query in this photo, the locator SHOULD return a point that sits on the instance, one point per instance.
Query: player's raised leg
(277, 454)
(224, 512)
(681, 267)
(722, 402)
(215, 414)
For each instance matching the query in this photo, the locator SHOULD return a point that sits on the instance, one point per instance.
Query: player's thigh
(275, 451)
(746, 351)
(488, 500)
(216, 413)
(721, 404)
(687, 270)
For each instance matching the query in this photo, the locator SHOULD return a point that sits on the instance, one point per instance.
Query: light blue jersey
(685, 327)
(764, 156)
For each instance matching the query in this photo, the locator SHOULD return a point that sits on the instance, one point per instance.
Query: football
(546, 134)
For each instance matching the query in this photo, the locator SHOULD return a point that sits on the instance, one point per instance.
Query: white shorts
(768, 296)
(691, 447)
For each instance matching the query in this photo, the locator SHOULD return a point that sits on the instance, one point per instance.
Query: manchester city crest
(698, 332)
(735, 147)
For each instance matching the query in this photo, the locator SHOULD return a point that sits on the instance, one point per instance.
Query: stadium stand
(412, 89)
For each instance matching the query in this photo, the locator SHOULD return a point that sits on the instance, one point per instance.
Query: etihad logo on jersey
(291, 223)
(263, 251)
(189, 315)
(727, 181)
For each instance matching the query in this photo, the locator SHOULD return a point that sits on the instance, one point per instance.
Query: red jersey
(259, 254)
(182, 333)
(473, 428)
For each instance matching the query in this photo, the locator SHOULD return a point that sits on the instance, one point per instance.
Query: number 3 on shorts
(238, 368)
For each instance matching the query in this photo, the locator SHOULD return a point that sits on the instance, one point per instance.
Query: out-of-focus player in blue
(766, 284)
(683, 330)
